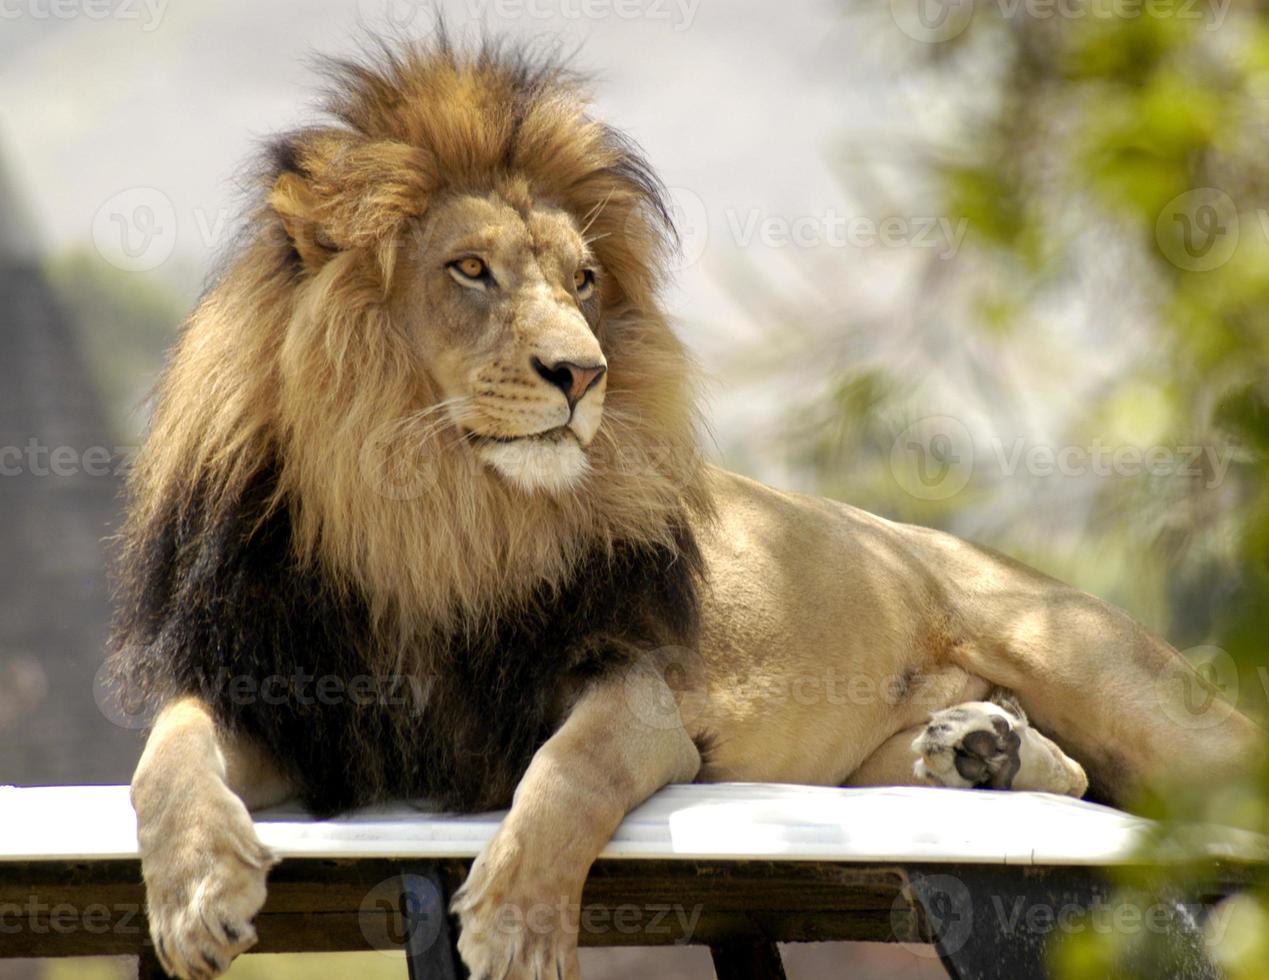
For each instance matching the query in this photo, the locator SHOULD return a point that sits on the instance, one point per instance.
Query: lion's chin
(538, 464)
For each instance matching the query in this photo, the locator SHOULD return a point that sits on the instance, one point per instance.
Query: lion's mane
(264, 559)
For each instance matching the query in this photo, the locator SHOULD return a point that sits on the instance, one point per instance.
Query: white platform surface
(724, 820)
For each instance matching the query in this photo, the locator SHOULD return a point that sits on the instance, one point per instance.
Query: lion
(423, 513)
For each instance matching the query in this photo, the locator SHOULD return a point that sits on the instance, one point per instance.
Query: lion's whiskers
(445, 408)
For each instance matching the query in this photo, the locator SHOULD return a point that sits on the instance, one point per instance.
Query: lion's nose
(572, 379)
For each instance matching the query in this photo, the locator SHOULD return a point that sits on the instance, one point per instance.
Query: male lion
(431, 424)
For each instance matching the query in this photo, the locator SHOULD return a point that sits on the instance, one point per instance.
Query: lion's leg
(518, 907)
(204, 866)
(1120, 700)
(892, 764)
(984, 744)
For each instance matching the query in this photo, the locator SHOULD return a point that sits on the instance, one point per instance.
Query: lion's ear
(295, 204)
(336, 191)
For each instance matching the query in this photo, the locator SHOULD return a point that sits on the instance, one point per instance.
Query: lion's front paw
(205, 871)
(991, 745)
(515, 922)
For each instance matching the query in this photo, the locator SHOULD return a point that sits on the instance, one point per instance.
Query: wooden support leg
(747, 960)
(1005, 922)
(148, 964)
(431, 950)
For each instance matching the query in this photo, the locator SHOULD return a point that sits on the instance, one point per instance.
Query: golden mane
(300, 368)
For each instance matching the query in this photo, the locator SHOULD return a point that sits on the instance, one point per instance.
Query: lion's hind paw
(991, 745)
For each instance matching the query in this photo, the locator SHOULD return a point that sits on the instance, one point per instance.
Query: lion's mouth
(554, 434)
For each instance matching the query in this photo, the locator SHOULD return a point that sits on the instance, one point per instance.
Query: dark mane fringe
(281, 656)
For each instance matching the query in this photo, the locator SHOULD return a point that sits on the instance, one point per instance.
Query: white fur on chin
(538, 464)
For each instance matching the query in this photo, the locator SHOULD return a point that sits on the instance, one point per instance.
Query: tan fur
(829, 638)
(603, 761)
(829, 630)
(203, 865)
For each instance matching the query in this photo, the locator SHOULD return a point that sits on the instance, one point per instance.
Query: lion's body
(422, 513)
(827, 631)
(821, 631)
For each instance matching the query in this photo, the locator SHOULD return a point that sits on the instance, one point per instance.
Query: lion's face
(503, 304)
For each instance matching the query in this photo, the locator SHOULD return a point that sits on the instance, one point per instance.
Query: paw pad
(975, 745)
(989, 758)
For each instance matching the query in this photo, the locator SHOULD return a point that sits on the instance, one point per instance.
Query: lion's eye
(583, 281)
(470, 271)
(471, 268)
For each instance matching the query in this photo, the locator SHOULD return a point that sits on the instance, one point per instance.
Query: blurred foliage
(1125, 117)
(1113, 163)
(1101, 130)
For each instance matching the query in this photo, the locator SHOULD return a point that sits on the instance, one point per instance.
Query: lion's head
(442, 333)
